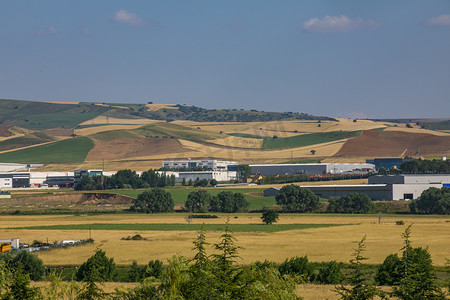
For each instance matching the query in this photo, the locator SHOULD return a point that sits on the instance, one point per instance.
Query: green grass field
(184, 227)
(68, 151)
(24, 141)
(179, 195)
(308, 139)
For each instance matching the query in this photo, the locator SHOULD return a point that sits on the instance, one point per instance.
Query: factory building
(214, 165)
(311, 169)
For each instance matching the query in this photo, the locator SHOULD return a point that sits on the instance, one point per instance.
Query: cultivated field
(320, 244)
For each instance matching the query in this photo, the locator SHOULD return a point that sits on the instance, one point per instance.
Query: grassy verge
(183, 227)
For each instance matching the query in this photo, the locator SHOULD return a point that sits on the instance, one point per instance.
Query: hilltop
(137, 136)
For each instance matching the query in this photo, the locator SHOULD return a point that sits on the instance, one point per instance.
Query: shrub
(98, 267)
(330, 273)
(198, 201)
(29, 263)
(353, 203)
(269, 216)
(296, 199)
(390, 271)
(155, 200)
(297, 266)
(228, 202)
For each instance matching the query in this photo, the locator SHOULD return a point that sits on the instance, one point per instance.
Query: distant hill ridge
(48, 115)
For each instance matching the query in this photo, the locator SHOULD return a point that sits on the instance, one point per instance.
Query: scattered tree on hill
(153, 201)
(198, 201)
(228, 202)
(269, 216)
(354, 203)
(296, 199)
(432, 201)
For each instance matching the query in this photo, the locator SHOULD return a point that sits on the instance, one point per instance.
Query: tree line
(158, 200)
(126, 179)
(293, 198)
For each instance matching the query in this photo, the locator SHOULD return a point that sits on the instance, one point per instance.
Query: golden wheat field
(319, 244)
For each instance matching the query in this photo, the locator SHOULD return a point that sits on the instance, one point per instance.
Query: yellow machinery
(5, 247)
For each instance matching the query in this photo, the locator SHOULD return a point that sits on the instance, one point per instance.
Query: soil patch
(4, 131)
(395, 143)
(58, 132)
(66, 199)
(133, 147)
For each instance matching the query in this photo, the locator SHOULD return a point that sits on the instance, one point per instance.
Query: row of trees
(158, 200)
(226, 202)
(126, 179)
(420, 166)
(280, 179)
(293, 198)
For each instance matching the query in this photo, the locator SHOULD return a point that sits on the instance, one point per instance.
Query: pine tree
(419, 277)
(361, 288)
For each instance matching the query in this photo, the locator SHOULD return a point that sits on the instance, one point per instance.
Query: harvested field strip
(70, 150)
(183, 227)
(246, 135)
(308, 139)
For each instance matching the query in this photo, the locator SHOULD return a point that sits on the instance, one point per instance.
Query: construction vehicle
(5, 247)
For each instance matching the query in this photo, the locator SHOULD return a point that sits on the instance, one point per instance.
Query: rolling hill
(137, 136)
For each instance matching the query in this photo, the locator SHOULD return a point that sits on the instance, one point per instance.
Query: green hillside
(72, 150)
(42, 115)
(308, 139)
(24, 141)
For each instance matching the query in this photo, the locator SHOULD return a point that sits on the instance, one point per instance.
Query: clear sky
(376, 59)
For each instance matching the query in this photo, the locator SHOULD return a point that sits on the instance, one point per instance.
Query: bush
(155, 200)
(296, 199)
(228, 202)
(432, 201)
(98, 267)
(198, 201)
(330, 273)
(298, 266)
(269, 216)
(353, 203)
(29, 263)
(390, 271)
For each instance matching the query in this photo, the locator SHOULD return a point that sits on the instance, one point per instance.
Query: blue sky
(376, 59)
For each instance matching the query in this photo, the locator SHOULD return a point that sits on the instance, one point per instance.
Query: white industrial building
(214, 165)
(193, 175)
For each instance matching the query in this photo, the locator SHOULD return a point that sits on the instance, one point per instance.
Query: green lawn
(183, 227)
(179, 195)
(308, 139)
(68, 151)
